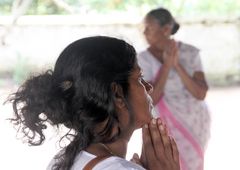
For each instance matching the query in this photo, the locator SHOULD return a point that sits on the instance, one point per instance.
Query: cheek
(142, 111)
(152, 39)
(149, 35)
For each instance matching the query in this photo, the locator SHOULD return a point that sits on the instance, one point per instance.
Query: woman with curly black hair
(97, 91)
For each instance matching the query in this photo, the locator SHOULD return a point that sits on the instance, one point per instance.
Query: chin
(148, 119)
(142, 123)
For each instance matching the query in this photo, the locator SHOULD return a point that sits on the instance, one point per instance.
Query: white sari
(187, 118)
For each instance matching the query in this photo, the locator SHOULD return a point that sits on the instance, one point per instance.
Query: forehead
(150, 20)
(152, 23)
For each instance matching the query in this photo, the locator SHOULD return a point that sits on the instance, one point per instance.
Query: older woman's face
(139, 98)
(154, 33)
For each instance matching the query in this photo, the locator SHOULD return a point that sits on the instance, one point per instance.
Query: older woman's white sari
(186, 117)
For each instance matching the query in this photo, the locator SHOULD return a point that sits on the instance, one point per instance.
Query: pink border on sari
(165, 113)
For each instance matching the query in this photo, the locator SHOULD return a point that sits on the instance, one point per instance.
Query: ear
(119, 98)
(167, 29)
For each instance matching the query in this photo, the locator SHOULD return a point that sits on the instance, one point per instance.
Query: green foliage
(5, 6)
(179, 7)
(104, 6)
(216, 7)
(44, 7)
(3, 2)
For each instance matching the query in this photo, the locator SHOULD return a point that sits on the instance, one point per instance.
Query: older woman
(174, 69)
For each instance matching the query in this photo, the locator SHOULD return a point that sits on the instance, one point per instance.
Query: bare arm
(158, 85)
(196, 85)
(168, 62)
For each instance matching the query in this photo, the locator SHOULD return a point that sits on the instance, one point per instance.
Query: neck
(117, 148)
(155, 49)
(157, 53)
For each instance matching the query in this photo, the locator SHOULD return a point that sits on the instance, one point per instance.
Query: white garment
(111, 163)
(192, 113)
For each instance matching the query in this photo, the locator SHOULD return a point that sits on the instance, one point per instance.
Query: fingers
(175, 152)
(156, 138)
(159, 149)
(160, 139)
(171, 53)
(165, 138)
(148, 146)
(143, 157)
(172, 47)
(174, 52)
(136, 159)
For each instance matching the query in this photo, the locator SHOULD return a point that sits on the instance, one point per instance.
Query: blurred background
(34, 32)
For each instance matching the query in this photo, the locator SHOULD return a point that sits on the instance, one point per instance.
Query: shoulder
(188, 48)
(143, 54)
(145, 58)
(114, 163)
(81, 159)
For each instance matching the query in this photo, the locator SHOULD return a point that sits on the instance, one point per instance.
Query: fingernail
(146, 126)
(166, 129)
(161, 127)
(154, 121)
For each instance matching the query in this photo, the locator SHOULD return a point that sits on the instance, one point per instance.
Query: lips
(151, 106)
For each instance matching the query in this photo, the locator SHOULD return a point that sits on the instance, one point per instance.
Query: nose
(149, 87)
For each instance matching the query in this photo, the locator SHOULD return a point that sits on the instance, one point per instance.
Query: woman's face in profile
(139, 98)
(154, 33)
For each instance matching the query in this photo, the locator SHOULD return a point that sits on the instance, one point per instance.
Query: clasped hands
(159, 151)
(170, 54)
